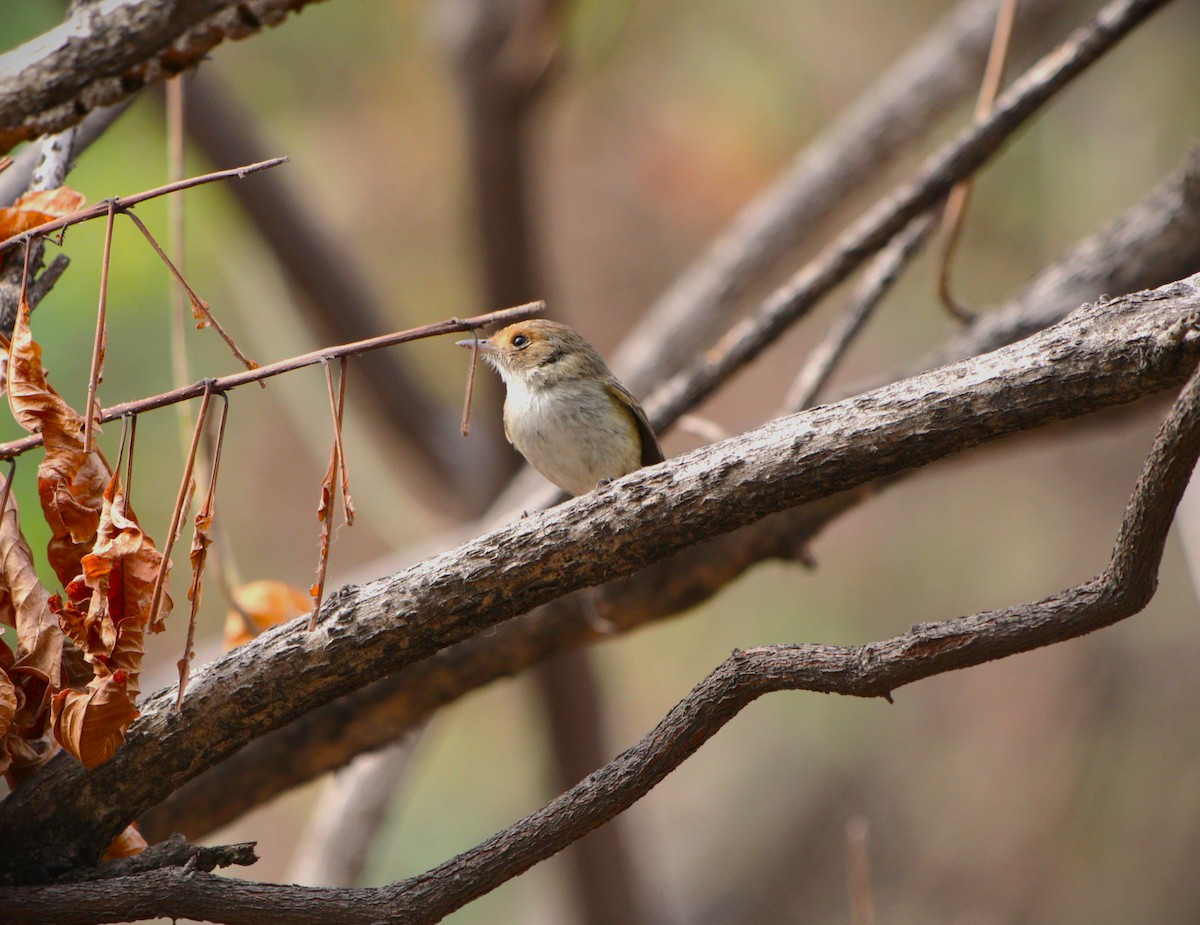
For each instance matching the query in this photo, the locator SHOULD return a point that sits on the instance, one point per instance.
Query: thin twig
(101, 340)
(325, 517)
(201, 310)
(201, 539)
(465, 425)
(181, 501)
(876, 283)
(121, 203)
(325, 508)
(232, 381)
(959, 198)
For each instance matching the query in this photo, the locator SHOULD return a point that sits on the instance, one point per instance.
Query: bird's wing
(651, 452)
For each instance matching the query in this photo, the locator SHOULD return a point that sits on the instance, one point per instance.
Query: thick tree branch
(1158, 239)
(107, 51)
(1098, 357)
(873, 670)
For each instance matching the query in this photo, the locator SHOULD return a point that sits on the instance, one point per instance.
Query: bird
(564, 410)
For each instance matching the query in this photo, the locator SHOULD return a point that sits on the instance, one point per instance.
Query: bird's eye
(521, 341)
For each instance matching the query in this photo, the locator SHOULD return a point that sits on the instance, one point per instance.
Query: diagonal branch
(1099, 356)
(958, 159)
(898, 111)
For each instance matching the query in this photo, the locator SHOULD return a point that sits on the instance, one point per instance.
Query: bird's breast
(574, 433)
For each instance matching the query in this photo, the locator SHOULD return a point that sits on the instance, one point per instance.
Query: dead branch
(102, 54)
(123, 203)
(258, 374)
(1099, 356)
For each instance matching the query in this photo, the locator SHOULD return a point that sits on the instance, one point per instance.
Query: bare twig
(201, 540)
(337, 405)
(91, 412)
(232, 381)
(337, 463)
(182, 501)
(174, 851)
(956, 203)
(876, 283)
(122, 203)
(201, 310)
(465, 425)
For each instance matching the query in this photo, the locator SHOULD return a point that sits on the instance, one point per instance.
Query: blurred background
(1059, 786)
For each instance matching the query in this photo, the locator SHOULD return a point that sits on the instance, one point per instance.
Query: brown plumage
(565, 411)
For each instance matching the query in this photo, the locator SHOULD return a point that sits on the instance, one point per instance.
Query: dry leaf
(8, 712)
(116, 587)
(34, 672)
(37, 208)
(70, 482)
(125, 845)
(265, 603)
(105, 561)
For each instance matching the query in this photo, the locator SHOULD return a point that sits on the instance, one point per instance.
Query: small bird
(565, 412)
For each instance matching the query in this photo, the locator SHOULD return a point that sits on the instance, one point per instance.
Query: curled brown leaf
(37, 208)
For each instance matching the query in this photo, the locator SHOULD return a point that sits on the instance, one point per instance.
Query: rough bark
(106, 52)
(1099, 356)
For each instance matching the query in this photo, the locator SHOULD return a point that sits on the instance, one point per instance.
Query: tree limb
(873, 670)
(104, 53)
(1099, 356)
(892, 116)
(1156, 240)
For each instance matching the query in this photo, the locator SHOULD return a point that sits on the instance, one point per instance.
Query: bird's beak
(483, 343)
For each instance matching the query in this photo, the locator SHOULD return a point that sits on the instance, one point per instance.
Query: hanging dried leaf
(105, 561)
(116, 587)
(325, 518)
(265, 604)
(91, 725)
(70, 481)
(37, 208)
(34, 672)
